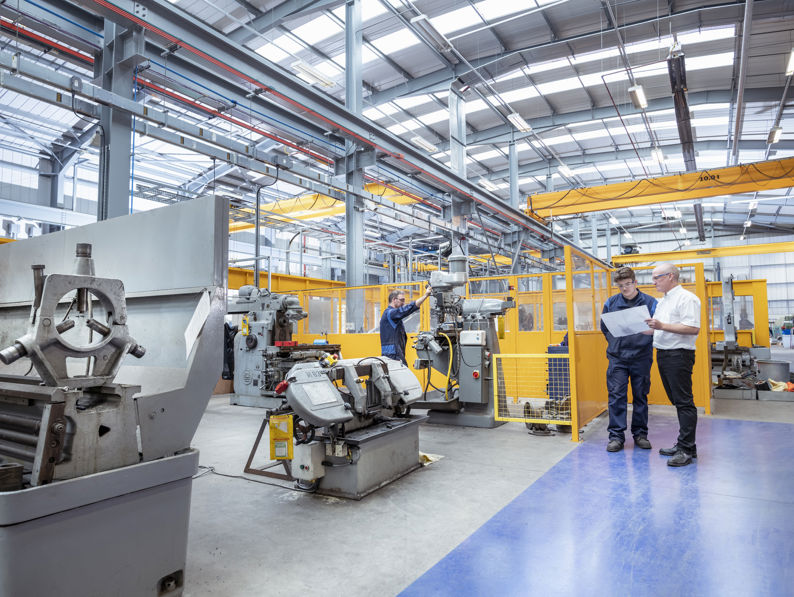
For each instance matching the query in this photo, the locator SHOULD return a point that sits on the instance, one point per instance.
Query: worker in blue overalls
(630, 358)
(392, 331)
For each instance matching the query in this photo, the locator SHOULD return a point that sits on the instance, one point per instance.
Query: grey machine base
(452, 412)
(734, 393)
(121, 532)
(776, 396)
(256, 401)
(387, 451)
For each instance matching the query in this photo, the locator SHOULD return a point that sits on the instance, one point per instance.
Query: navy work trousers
(619, 373)
(675, 369)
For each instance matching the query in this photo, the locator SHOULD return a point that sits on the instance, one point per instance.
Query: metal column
(116, 75)
(355, 251)
(513, 158)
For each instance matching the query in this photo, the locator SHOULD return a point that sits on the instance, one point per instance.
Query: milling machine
(461, 348)
(737, 364)
(731, 357)
(263, 348)
(350, 430)
(97, 468)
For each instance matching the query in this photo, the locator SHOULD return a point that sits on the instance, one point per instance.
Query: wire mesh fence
(533, 388)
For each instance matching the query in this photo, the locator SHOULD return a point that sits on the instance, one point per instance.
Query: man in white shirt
(675, 326)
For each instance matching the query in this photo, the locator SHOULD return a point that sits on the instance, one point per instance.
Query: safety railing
(534, 389)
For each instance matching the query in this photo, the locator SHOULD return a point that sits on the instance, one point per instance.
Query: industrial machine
(351, 423)
(460, 347)
(95, 460)
(732, 358)
(735, 365)
(263, 348)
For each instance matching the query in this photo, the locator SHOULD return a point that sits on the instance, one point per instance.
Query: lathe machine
(95, 460)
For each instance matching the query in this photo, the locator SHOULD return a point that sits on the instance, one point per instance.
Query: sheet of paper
(627, 322)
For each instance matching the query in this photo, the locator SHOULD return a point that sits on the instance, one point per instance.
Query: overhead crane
(712, 253)
(745, 178)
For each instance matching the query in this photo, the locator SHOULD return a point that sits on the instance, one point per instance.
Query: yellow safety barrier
(533, 388)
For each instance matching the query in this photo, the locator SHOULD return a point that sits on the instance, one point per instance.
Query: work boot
(614, 446)
(680, 458)
(672, 451)
(642, 442)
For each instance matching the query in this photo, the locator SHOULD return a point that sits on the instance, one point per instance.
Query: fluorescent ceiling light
(424, 144)
(488, 185)
(753, 204)
(774, 135)
(637, 95)
(748, 223)
(427, 29)
(790, 66)
(308, 73)
(741, 237)
(614, 221)
(687, 242)
(627, 235)
(682, 230)
(518, 121)
(565, 171)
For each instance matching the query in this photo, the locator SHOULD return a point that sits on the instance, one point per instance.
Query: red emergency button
(475, 374)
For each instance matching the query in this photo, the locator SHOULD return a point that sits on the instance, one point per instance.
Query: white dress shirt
(677, 306)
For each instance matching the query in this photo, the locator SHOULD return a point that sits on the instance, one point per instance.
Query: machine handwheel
(302, 431)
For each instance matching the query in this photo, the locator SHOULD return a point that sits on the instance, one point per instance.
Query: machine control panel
(472, 338)
(307, 461)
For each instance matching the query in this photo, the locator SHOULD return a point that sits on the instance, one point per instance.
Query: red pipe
(46, 41)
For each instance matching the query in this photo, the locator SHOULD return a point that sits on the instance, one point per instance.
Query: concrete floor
(251, 538)
(248, 537)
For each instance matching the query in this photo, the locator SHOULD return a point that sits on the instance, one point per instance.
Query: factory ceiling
(558, 85)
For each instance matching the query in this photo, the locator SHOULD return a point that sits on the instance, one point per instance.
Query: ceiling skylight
(395, 42)
(318, 29)
(456, 20)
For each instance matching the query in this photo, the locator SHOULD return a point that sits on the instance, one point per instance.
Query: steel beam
(162, 21)
(278, 15)
(437, 80)
(746, 178)
(159, 125)
(354, 206)
(115, 72)
(713, 253)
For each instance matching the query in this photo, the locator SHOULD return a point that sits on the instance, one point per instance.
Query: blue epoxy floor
(625, 523)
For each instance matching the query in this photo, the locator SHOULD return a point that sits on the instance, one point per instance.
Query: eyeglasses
(626, 285)
(654, 278)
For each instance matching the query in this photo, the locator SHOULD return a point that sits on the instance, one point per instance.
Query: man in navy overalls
(392, 332)
(630, 357)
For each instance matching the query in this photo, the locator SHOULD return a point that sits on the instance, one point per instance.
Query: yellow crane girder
(713, 253)
(746, 178)
(316, 206)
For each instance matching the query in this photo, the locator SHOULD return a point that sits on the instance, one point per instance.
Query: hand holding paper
(627, 321)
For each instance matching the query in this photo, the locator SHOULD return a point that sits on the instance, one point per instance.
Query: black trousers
(675, 369)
